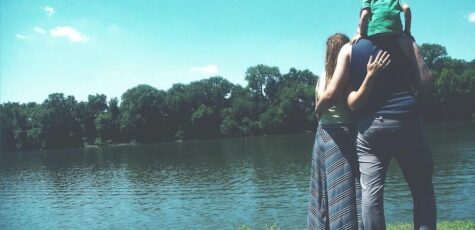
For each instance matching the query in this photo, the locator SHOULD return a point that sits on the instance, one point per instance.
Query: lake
(206, 184)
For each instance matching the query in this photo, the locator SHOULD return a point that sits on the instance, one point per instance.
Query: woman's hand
(357, 99)
(378, 64)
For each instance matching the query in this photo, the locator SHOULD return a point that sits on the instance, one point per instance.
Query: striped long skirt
(335, 193)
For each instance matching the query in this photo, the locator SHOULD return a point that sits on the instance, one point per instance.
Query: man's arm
(337, 84)
(423, 77)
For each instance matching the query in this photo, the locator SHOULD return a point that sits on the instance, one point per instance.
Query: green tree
(179, 110)
(296, 98)
(263, 81)
(143, 114)
(8, 123)
(29, 134)
(193, 105)
(453, 85)
(434, 55)
(296, 103)
(248, 127)
(60, 127)
(205, 122)
(213, 107)
(229, 126)
(243, 104)
(295, 76)
(272, 120)
(95, 105)
(107, 124)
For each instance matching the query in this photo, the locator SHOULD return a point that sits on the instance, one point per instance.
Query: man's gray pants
(379, 139)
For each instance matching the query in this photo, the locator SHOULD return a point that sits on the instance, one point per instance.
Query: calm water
(216, 184)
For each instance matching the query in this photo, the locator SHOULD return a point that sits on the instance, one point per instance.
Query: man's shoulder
(363, 44)
(363, 48)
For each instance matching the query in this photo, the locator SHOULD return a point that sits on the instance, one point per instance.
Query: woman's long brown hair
(334, 44)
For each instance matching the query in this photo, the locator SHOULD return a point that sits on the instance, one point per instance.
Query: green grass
(444, 225)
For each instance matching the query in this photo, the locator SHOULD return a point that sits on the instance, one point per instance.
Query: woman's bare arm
(336, 87)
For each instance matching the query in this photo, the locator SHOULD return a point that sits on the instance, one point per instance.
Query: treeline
(214, 107)
(271, 103)
(453, 95)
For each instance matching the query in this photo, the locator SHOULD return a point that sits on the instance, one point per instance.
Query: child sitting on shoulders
(382, 17)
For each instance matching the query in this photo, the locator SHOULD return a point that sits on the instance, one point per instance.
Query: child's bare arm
(363, 23)
(407, 18)
(362, 30)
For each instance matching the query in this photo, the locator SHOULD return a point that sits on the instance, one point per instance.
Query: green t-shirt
(385, 16)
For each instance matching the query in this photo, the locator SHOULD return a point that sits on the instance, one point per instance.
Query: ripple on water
(183, 185)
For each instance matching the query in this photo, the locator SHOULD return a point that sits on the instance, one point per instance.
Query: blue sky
(108, 46)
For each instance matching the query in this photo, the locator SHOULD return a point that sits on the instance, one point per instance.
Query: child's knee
(365, 12)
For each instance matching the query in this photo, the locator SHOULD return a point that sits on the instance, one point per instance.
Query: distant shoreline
(453, 124)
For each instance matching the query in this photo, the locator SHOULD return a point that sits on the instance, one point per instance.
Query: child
(381, 17)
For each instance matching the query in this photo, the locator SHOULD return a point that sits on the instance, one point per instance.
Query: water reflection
(212, 184)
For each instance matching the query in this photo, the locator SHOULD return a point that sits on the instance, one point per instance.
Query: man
(388, 122)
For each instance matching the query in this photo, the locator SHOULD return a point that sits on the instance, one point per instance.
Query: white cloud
(69, 32)
(471, 17)
(208, 69)
(49, 11)
(21, 36)
(39, 30)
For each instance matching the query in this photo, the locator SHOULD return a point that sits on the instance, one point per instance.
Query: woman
(334, 186)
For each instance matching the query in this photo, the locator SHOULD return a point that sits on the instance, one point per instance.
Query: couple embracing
(368, 110)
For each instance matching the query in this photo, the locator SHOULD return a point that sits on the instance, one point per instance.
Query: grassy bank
(445, 225)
